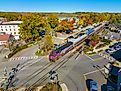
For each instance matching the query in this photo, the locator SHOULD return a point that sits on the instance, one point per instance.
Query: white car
(117, 47)
(109, 51)
(109, 67)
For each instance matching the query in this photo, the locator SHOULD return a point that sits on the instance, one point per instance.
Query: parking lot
(96, 76)
(114, 51)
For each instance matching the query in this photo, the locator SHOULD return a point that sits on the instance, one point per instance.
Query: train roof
(67, 44)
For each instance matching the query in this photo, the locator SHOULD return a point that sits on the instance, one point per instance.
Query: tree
(65, 25)
(81, 21)
(53, 21)
(31, 26)
(95, 38)
(48, 42)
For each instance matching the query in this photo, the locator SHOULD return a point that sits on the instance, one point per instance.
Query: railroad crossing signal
(53, 76)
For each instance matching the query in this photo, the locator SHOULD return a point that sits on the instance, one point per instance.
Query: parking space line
(89, 57)
(98, 59)
(85, 78)
(93, 72)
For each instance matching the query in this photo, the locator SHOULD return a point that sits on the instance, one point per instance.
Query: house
(5, 39)
(10, 27)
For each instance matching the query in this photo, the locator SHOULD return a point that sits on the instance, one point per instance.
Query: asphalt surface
(72, 73)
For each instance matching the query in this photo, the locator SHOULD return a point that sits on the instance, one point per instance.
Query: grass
(49, 87)
(91, 53)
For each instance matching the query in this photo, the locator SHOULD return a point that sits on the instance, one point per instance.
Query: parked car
(109, 51)
(68, 31)
(70, 37)
(42, 33)
(117, 47)
(93, 86)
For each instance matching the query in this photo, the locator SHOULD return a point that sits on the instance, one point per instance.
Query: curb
(64, 87)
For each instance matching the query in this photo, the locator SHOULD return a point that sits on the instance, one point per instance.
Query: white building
(10, 27)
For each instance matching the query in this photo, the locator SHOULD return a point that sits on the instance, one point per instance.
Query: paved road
(27, 52)
(72, 73)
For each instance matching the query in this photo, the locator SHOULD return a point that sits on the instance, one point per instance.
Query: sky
(60, 5)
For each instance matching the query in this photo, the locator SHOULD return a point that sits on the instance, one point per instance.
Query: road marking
(89, 57)
(85, 78)
(93, 72)
(28, 64)
(98, 59)
(23, 58)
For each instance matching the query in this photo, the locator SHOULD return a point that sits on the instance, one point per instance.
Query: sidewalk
(64, 87)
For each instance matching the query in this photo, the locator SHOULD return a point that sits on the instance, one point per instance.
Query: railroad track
(55, 68)
(41, 69)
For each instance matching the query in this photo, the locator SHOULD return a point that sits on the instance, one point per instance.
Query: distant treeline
(88, 15)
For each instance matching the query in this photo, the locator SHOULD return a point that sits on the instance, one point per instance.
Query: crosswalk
(23, 58)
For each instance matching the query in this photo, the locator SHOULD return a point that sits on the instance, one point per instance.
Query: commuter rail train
(72, 42)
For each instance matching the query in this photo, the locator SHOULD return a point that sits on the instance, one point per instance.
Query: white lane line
(93, 72)
(89, 57)
(28, 64)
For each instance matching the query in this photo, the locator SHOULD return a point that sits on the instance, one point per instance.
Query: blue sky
(61, 5)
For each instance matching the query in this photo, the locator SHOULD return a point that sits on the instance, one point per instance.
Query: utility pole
(8, 78)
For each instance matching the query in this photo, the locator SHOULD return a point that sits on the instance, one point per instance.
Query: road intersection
(73, 73)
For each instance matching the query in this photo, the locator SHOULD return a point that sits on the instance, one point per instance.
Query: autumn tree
(53, 20)
(31, 26)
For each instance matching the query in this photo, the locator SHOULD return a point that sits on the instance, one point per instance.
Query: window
(1, 26)
(6, 30)
(9, 26)
(14, 26)
(14, 32)
(10, 29)
(14, 29)
(5, 26)
(1, 29)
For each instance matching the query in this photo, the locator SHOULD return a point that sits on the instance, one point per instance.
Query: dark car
(68, 31)
(42, 33)
(70, 37)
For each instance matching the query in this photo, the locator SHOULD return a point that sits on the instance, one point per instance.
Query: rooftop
(11, 22)
(4, 37)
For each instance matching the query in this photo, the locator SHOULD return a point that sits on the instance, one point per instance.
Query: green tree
(95, 38)
(53, 21)
(31, 26)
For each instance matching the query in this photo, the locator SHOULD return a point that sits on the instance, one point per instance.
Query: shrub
(17, 50)
(51, 87)
(101, 45)
(106, 41)
(41, 52)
